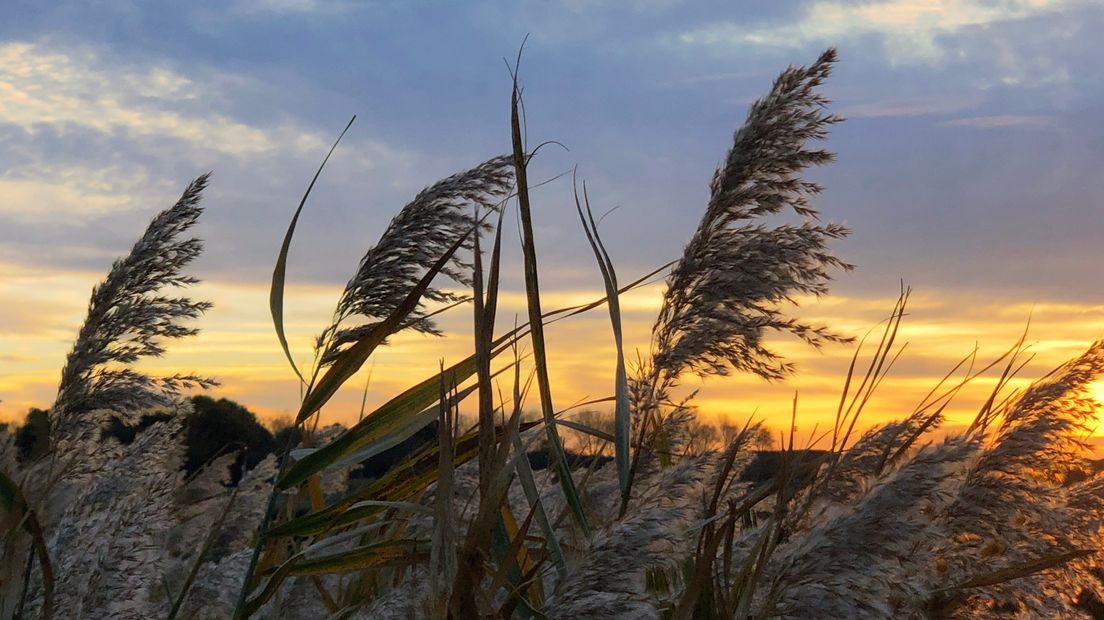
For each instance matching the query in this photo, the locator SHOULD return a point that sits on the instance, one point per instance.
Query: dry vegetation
(891, 523)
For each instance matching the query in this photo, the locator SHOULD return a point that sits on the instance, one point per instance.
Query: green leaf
(400, 483)
(515, 562)
(532, 494)
(622, 415)
(388, 425)
(421, 470)
(376, 555)
(536, 322)
(276, 293)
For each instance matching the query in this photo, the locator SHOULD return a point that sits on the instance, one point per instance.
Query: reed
(985, 522)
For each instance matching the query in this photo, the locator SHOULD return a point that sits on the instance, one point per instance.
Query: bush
(213, 428)
(216, 427)
(33, 438)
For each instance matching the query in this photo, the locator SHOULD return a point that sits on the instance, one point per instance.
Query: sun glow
(1097, 391)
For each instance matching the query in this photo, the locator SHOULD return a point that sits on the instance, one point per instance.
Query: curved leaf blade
(388, 425)
(279, 272)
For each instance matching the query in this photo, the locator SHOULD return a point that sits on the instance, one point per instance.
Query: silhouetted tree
(33, 438)
(283, 429)
(214, 428)
(126, 434)
(217, 427)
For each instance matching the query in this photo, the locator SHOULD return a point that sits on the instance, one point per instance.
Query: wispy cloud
(85, 134)
(286, 7)
(726, 76)
(40, 86)
(77, 193)
(910, 30)
(920, 106)
(1000, 121)
(53, 100)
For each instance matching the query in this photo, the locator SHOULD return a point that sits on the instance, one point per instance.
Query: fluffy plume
(127, 320)
(875, 451)
(1036, 443)
(109, 542)
(609, 582)
(847, 567)
(422, 231)
(724, 293)
(1012, 509)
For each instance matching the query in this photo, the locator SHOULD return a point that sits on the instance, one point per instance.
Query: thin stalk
(536, 325)
(622, 414)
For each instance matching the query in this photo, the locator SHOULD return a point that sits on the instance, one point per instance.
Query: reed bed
(887, 523)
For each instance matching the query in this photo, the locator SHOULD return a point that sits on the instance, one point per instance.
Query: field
(899, 520)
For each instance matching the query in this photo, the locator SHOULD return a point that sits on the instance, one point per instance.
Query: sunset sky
(969, 168)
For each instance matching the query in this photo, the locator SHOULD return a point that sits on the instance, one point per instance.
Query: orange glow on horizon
(1097, 391)
(237, 345)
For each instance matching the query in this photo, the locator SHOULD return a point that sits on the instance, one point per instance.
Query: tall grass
(96, 510)
(886, 523)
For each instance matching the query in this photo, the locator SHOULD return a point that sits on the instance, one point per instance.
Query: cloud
(725, 76)
(83, 137)
(920, 106)
(1000, 121)
(39, 86)
(26, 199)
(289, 7)
(910, 30)
(92, 145)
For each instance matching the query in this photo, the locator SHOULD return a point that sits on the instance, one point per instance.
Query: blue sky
(971, 139)
(968, 166)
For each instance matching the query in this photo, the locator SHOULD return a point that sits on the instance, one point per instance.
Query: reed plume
(108, 542)
(128, 319)
(724, 292)
(847, 566)
(420, 234)
(1012, 509)
(609, 581)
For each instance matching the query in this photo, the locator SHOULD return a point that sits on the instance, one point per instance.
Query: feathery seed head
(127, 321)
(724, 292)
(422, 231)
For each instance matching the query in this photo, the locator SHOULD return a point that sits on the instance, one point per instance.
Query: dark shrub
(126, 434)
(379, 464)
(33, 438)
(220, 426)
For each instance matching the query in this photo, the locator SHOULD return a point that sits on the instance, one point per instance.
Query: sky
(968, 168)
